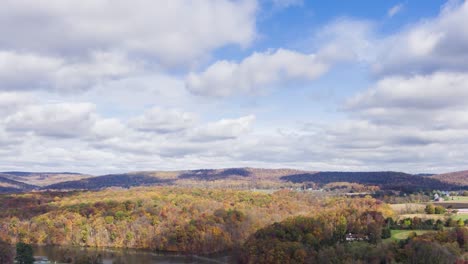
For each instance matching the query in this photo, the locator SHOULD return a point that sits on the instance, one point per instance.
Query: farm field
(408, 208)
(453, 204)
(463, 217)
(423, 216)
(460, 198)
(456, 199)
(403, 234)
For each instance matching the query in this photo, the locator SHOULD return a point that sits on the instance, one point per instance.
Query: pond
(57, 254)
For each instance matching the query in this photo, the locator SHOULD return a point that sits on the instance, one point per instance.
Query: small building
(356, 237)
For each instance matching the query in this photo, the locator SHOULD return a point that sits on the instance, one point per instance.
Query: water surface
(57, 254)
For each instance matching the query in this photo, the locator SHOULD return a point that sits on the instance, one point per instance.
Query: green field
(459, 198)
(403, 234)
(461, 216)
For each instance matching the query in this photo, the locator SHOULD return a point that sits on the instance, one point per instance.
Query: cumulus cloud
(54, 120)
(172, 31)
(412, 118)
(255, 72)
(104, 128)
(434, 91)
(223, 129)
(435, 44)
(12, 101)
(26, 71)
(430, 45)
(415, 122)
(160, 120)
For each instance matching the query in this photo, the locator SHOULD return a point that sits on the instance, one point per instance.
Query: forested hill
(9, 185)
(115, 180)
(458, 178)
(384, 179)
(42, 178)
(235, 178)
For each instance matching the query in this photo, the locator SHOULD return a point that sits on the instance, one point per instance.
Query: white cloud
(413, 118)
(160, 120)
(11, 102)
(172, 31)
(53, 120)
(27, 71)
(430, 45)
(223, 129)
(413, 122)
(395, 10)
(435, 44)
(108, 128)
(346, 39)
(255, 73)
(438, 90)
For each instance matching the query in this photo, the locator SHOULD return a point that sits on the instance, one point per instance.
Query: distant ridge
(384, 179)
(458, 177)
(9, 185)
(245, 178)
(40, 179)
(111, 180)
(424, 174)
(28, 173)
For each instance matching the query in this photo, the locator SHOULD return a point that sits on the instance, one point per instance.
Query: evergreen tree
(24, 253)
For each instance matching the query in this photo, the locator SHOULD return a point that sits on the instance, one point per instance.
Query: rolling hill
(234, 178)
(114, 180)
(260, 178)
(384, 179)
(43, 178)
(459, 177)
(9, 185)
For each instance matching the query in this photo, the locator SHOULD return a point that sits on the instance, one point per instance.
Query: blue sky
(111, 86)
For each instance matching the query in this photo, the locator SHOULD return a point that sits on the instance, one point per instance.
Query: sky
(107, 86)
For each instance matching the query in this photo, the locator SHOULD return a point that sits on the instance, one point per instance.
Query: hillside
(9, 185)
(249, 178)
(169, 219)
(113, 180)
(384, 179)
(236, 178)
(43, 178)
(459, 177)
(233, 178)
(237, 173)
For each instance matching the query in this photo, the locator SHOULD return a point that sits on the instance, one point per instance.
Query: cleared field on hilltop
(423, 216)
(463, 217)
(458, 199)
(403, 234)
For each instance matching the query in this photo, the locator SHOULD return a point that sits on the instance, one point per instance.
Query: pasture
(463, 217)
(408, 208)
(403, 234)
